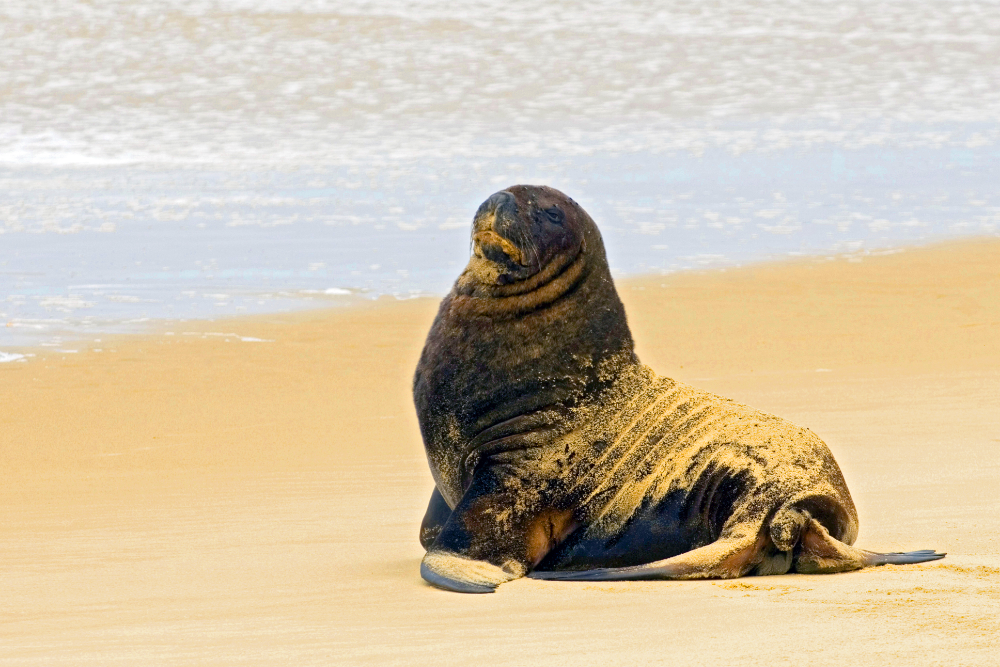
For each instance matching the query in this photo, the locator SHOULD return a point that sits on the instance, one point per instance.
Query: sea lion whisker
(536, 255)
(490, 237)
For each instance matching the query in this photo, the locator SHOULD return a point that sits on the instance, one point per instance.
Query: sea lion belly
(657, 530)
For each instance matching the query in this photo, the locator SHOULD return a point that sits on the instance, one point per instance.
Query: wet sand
(198, 498)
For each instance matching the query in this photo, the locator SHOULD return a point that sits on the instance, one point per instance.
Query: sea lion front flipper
(821, 553)
(496, 533)
(453, 572)
(725, 558)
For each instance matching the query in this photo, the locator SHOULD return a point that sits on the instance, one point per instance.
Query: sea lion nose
(500, 206)
(502, 202)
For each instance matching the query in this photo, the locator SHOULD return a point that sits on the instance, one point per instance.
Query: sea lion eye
(555, 215)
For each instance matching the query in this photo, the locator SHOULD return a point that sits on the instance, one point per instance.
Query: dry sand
(202, 499)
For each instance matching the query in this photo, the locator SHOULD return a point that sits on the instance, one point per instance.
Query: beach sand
(202, 499)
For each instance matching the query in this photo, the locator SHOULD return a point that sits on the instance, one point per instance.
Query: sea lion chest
(486, 384)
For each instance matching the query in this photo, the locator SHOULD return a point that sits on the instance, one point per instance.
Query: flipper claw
(904, 557)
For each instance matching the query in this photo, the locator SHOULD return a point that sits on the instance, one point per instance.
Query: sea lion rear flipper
(723, 559)
(820, 553)
(494, 535)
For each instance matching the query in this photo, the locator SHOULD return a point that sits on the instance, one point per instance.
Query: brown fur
(552, 447)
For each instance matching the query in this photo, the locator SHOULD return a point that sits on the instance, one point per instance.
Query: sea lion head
(522, 237)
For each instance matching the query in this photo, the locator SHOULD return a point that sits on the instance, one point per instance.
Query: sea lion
(557, 454)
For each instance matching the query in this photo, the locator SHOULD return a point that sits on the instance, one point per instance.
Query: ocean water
(191, 159)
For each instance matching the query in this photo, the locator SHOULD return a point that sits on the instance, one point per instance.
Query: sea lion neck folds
(557, 279)
(557, 454)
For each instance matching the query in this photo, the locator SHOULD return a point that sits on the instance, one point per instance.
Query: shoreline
(358, 299)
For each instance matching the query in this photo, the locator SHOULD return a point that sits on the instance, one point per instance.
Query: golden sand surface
(191, 497)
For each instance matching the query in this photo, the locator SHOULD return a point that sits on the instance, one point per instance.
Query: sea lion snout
(497, 216)
(489, 245)
(493, 230)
